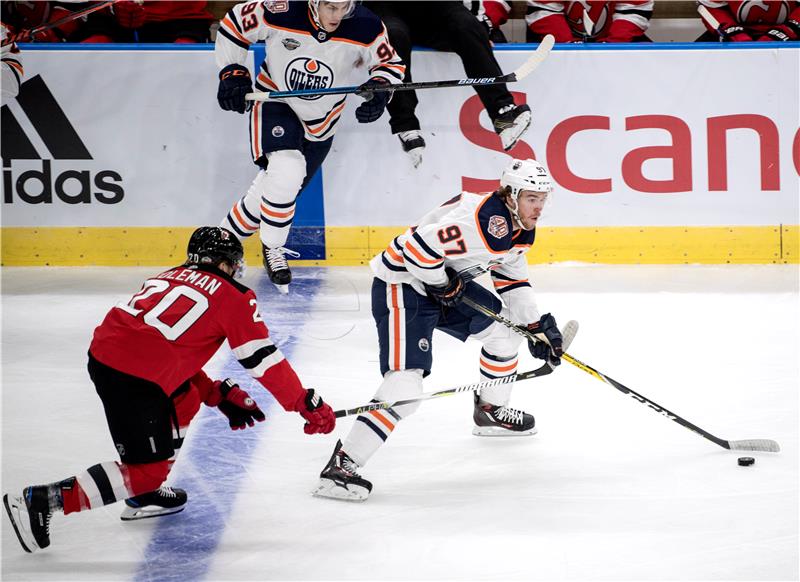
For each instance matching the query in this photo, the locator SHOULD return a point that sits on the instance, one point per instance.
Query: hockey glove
(734, 33)
(779, 33)
(375, 103)
(318, 415)
(241, 410)
(449, 294)
(129, 14)
(234, 84)
(549, 347)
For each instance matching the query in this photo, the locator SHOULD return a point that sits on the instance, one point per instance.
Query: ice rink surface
(608, 489)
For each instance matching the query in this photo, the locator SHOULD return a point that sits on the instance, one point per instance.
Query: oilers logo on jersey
(306, 73)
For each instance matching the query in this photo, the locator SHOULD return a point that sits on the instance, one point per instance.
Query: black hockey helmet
(210, 245)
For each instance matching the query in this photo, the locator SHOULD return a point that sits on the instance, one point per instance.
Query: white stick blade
(765, 445)
(536, 58)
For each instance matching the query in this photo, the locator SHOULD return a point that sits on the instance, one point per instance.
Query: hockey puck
(746, 461)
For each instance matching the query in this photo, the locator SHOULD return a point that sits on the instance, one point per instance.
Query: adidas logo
(36, 128)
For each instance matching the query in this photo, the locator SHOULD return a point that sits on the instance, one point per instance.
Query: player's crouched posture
(145, 361)
(418, 288)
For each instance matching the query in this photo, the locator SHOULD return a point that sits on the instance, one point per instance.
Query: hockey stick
(570, 329)
(706, 15)
(743, 445)
(25, 34)
(536, 59)
(588, 24)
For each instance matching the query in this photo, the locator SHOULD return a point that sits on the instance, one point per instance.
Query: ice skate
(511, 122)
(30, 516)
(340, 479)
(493, 420)
(277, 267)
(413, 145)
(162, 501)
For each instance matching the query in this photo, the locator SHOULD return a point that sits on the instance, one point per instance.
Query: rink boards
(112, 155)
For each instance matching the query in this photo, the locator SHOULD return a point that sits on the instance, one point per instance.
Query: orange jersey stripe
(256, 121)
(394, 255)
(507, 283)
(385, 422)
(227, 23)
(419, 256)
(325, 123)
(262, 78)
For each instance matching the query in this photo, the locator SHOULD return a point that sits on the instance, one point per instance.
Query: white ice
(608, 489)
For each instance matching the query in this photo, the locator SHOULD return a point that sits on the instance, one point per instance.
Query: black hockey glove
(449, 294)
(234, 84)
(241, 410)
(549, 347)
(371, 109)
(734, 33)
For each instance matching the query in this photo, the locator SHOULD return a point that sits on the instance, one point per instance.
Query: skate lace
(167, 492)
(276, 259)
(348, 465)
(505, 414)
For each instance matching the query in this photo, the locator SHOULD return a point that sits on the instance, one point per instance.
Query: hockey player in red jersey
(145, 361)
(317, 44)
(606, 22)
(747, 20)
(418, 287)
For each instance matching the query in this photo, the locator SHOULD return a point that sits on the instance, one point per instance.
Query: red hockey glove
(129, 14)
(318, 415)
(241, 410)
(371, 109)
(449, 294)
(779, 33)
(549, 347)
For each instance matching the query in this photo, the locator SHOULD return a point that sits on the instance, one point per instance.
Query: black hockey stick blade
(536, 59)
(764, 445)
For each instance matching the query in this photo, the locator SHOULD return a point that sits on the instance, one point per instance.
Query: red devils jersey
(610, 21)
(170, 329)
(758, 16)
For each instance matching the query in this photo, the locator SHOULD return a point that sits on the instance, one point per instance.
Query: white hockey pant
(269, 204)
(371, 429)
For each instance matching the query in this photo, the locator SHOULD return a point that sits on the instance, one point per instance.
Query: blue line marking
(182, 546)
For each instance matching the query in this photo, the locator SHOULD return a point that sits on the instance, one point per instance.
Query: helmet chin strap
(515, 214)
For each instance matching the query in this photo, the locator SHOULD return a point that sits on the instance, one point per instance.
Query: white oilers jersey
(12, 70)
(300, 55)
(468, 230)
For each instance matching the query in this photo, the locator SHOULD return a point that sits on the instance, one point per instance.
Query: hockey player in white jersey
(418, 288)
(308, 45)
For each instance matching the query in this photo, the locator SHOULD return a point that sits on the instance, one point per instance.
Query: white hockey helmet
(313, 6)
(527, 174)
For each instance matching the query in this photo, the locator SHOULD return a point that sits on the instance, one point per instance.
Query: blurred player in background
(418, 287)
(589, 21)
(11, 64)
(309, 45)
(145, 361)
(748, 20)
(447, 26)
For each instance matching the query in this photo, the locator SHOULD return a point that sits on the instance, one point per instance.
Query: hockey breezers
(766, 445)
(569, 331)
(536, 59)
